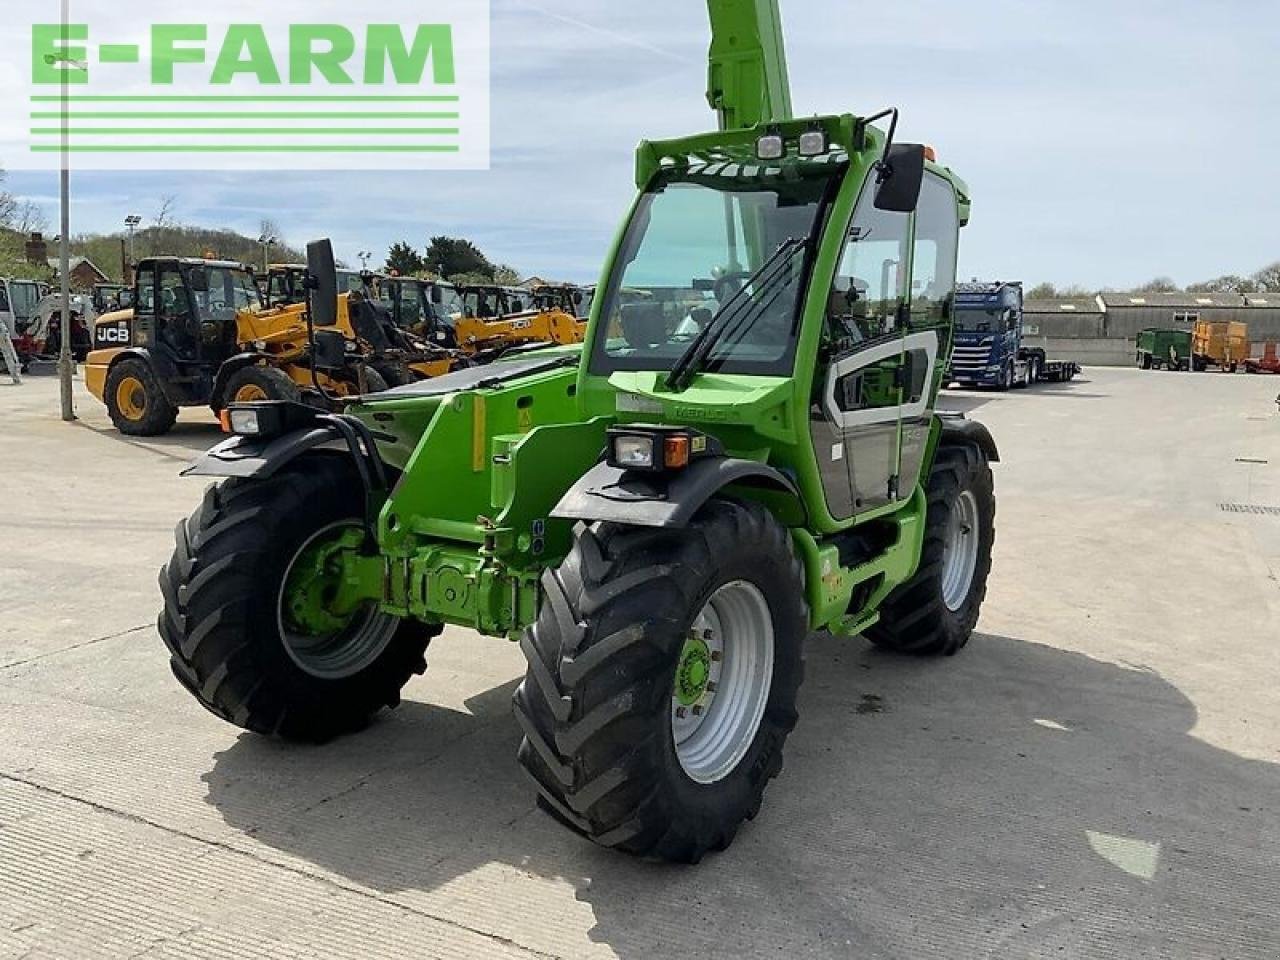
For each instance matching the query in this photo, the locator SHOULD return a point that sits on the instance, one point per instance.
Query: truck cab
(988, 336)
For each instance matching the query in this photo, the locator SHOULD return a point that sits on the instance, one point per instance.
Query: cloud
(1104, 143)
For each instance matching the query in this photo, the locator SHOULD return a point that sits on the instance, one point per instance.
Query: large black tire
(221, 619)
(915, 618)
(256, 382)
(135, 400)
(596, 703)
(1006, 379)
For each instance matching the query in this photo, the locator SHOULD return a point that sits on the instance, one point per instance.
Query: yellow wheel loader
(495, 319)
(198, 335)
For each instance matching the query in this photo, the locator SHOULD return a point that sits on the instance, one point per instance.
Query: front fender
(247, 458)
(606, 493)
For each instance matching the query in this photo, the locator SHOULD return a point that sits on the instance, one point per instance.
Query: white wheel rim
(714, 729)
(960, 551)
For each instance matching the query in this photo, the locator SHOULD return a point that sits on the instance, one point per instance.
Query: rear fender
(670, 500)
(957, 428)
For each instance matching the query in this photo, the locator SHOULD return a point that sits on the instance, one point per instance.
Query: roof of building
(1065, 305)
(1176, 299)
(74, 263)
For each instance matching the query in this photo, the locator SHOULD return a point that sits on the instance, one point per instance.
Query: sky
(1104, 143)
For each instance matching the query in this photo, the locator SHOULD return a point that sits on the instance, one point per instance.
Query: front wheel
(936, 610)
(663, 672)
(135, 400)
(258, 617)
(256, 383)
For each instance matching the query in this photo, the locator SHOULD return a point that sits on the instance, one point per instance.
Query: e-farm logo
(282, 84)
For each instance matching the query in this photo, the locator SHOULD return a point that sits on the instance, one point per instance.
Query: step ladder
(11, 361)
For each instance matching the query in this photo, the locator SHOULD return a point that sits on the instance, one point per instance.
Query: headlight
(633, 452)
(813, 143)
(245, 422)
(771, 147)
(654, 449)
(264, 419)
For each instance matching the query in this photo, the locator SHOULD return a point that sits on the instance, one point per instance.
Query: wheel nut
(681, 712)
(697, 710)
(716, 656)
(711, 686)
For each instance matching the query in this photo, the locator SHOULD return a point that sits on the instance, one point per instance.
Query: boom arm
(747, 81)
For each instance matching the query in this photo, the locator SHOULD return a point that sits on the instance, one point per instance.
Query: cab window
(869, 291)
(933, 270)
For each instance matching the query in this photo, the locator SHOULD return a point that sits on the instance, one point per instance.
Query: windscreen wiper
(739, 305)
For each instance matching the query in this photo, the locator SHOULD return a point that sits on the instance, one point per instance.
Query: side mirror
(198, 278)
(577, 297)
(437, 295)
(900, 178)
(322, 284)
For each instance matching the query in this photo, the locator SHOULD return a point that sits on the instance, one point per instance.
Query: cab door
(888, 322)
(856, 415)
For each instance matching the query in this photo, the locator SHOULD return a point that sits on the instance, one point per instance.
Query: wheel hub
(693, 674)
(328, 629)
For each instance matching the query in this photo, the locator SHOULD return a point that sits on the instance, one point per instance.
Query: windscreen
(695, 248)
(229, 291)
(26, 296)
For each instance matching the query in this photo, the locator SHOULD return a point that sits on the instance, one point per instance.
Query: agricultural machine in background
(197, 334)
(495, 319)
(1170, 349)
(744, 450)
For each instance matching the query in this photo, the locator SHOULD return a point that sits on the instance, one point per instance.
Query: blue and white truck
(991, 347)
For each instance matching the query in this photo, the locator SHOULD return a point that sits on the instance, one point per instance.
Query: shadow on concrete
(1015, 801)
(183, 443)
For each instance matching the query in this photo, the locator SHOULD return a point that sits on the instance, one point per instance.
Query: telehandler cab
(744, 451)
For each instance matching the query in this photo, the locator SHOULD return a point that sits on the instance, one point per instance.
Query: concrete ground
(1097, 775)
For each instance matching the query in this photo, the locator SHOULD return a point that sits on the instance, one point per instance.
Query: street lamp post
(66, 363)
(267, 242)
(131, 223)
(364, 256)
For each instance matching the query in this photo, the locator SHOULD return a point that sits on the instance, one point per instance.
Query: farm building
(1103, 330)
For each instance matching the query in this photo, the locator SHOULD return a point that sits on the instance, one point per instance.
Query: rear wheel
(936, 610)
(662, 681)
(257, 615)
(135, 400)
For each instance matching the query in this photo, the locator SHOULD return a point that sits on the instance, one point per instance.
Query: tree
(8, 202)
(164, 216)
(1268, 278)
(29, 218)
(1042, 291)
(1229, 283)
(506, 275)
(404, 260)
(1158, 285)
(451, 256)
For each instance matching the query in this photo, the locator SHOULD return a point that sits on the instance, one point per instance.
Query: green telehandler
(745, 450)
